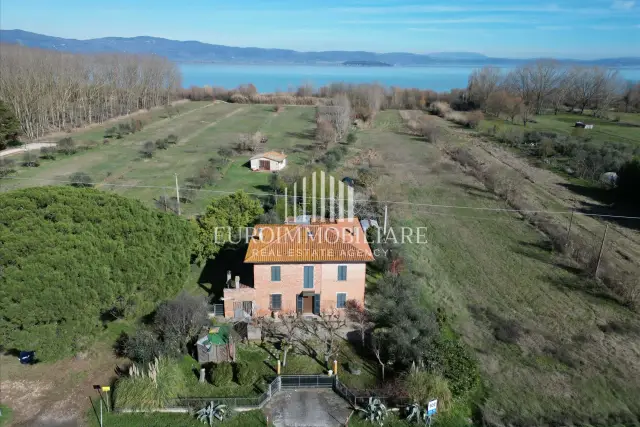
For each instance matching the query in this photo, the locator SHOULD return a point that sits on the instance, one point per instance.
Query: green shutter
(316, 304)
(299, 303)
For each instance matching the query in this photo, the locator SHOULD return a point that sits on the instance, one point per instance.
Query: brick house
(303, 268)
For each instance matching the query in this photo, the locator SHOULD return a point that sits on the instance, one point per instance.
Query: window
(276, 301)
(341, 300)
(308, 277)
(342, 273)
(275, 273)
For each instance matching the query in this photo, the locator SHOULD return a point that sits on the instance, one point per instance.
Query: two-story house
(303, 268)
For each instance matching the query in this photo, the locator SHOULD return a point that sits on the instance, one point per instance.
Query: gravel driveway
(308, 408)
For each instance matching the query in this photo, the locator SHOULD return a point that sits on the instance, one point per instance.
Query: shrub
(110, 132)
(7, 166)
(439, 108)
(474, 118)
(422, 386)
(245, 374)
(141, 347)
(30, 160)
(64, 240)
(66, 146)
(225, 153)
(430, 131)
(162, 144)
(48, 153)
(366, 177)
(222, 374)
(452, 359)
(148, 149)
(142, 392)
(80, 180)
(172, 139)
(352, 138)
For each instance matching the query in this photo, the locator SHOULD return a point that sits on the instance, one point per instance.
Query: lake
(272, 78)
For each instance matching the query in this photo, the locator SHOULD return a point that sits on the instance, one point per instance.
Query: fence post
(269, 392)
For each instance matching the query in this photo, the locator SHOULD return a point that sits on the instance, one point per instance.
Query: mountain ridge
(196, 51)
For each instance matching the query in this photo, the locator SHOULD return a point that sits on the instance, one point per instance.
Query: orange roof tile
(341, 241)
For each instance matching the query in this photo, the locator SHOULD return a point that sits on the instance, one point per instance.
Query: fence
(362, 399)
(307, 381)
(231, 402)
(289, 382)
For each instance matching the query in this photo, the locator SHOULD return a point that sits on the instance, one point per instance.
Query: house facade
(269, 161)
(302, 268)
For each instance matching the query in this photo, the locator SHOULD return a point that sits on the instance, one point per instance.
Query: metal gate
(306, 381)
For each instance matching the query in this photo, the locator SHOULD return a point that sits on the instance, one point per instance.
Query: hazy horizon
(590, 29)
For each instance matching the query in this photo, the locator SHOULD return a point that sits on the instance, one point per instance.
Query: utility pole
(385, 220)
(601, 250)
(177, 194)
(570, 224)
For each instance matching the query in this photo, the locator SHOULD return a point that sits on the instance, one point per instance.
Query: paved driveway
(308, 408)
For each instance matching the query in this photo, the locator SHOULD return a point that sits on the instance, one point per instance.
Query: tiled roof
(271, 155)
(341, 241)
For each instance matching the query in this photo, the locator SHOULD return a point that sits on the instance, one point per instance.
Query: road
(26, 147)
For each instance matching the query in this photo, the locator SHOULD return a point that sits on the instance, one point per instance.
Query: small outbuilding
(583, 125)
(216, 345)
(269, 161)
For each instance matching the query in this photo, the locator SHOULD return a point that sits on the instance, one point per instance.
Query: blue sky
(524, 28)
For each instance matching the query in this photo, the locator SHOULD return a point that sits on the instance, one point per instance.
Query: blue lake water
(272, 78)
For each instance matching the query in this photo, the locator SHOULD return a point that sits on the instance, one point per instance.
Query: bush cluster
(332, 158)
(222, 374)
(108, 248)
(124, 129)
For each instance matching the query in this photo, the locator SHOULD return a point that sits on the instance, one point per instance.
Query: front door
(307, 305)
(265, 165)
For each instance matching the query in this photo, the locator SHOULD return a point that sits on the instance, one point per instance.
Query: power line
(391, 202)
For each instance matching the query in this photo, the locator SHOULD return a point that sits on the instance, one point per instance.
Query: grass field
(575, 357)
(603, 130)
(243, 419)
(202, 128)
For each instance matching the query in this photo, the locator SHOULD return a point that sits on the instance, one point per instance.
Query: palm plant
(375, 411)
(212, 412)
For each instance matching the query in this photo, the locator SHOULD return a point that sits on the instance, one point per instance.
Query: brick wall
(291, 283)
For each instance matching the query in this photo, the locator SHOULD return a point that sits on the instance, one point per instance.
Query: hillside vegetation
(73, 258)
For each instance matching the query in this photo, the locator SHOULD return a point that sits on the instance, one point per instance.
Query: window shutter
(308, 277)
(276, 301)
(275, 273)
(316, 304)
(342, 272)
(341, 300)
(299, 303)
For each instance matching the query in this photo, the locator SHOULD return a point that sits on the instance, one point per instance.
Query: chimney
(237, 282)
(228, 282)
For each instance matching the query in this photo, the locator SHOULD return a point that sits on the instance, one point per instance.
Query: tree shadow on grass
(305, 134)
(214, 274)
(532, 250)
(585, 285)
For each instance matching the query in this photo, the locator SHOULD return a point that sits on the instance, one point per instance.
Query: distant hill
(194, 51)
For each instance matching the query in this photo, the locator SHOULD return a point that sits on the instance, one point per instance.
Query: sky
(582, 29)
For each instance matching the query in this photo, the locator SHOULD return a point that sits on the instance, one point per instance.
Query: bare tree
(338, 114)
(325, 133)
(326, 329)
(360, 316)
(180, 319)
(377, 345)
(53, 91)
(482, 83)
(289, 325)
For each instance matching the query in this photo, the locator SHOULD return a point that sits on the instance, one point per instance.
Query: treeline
(391, 97)
(51, 91)
(548, 86)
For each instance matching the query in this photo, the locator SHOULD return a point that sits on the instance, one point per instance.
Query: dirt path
(210, 125)
(26, 147)
(54, 394)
